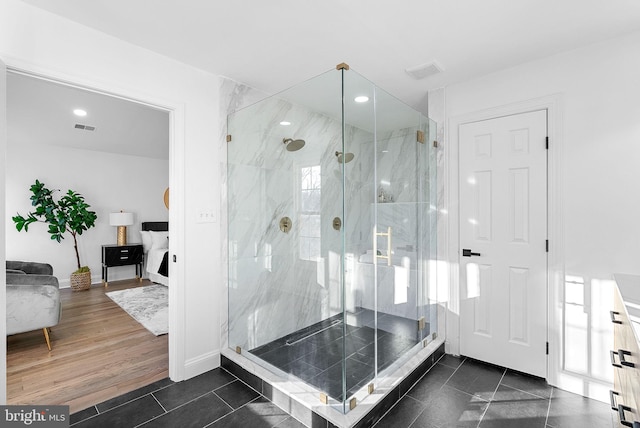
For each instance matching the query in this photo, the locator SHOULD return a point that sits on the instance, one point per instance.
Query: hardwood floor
(98, 352)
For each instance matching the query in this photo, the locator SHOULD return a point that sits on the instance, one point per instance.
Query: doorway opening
(114, 173)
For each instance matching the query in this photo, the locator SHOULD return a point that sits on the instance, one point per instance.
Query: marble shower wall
(273, 290)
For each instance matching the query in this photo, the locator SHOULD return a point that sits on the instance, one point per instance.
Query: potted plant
(70, 213)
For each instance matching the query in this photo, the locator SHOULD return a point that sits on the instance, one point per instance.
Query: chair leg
(46, 337)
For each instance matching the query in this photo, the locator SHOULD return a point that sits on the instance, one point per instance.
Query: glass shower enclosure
(332, 233)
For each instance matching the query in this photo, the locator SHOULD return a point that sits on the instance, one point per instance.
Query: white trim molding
(201, 364)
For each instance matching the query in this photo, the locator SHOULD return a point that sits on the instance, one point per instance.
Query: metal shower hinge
(421, 324)
(435, 144)
(228, 138)
(420, 137)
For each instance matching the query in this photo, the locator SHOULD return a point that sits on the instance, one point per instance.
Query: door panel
(503, 222)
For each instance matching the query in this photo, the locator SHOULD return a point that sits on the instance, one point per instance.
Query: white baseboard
(201, 364)
(66, 282)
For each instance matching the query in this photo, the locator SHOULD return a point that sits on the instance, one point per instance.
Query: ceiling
(40, 112)
(272, 45)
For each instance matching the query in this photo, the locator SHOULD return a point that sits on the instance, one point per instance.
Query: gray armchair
(33, 298)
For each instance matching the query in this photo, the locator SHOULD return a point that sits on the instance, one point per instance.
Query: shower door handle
(376, 256)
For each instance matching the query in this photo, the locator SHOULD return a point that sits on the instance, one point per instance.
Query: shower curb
(314, 420)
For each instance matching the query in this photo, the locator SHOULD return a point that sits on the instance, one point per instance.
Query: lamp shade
(121, 219)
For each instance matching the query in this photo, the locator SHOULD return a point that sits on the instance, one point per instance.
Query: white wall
(44, 43)
(109, 182)
(3, 303)
(599, 142)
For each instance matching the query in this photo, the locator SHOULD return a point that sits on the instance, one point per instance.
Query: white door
(503, 225)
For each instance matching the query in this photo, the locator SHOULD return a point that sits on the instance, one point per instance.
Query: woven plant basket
(80, 281)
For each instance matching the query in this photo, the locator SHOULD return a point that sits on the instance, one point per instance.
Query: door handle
(377, 256)
(612, 399)
(620, 354)
(468, 253)
(623, 420)
(613, 317)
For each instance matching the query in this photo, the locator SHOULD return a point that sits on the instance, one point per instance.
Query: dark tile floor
(314, 354)
(214, 399)
(456, 392)
(461, 392)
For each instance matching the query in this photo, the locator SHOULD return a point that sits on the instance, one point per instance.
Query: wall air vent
(424, 70)
(85, 127)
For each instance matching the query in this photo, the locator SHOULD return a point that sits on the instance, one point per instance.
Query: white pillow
(146, 240)
(159, 240)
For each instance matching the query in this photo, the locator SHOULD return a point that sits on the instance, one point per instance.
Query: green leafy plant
(70, 213)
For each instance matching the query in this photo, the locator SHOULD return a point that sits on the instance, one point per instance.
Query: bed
(155, 241)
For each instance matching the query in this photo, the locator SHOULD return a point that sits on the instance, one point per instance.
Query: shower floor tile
(314, 354)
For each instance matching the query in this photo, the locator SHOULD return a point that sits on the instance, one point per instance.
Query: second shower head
(344, 157)
(293, 145)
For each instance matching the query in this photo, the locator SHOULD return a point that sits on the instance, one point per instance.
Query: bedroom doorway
(67, 153)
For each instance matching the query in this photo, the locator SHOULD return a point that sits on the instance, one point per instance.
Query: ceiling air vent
(85, 127)
(424, 70)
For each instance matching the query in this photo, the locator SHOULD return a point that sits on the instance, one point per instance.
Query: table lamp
(122, 220)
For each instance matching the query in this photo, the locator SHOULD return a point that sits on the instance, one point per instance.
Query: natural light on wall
(438, 281)
(587, 327)
(576, 323)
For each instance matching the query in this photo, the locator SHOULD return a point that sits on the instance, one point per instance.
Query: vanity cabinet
(625, 355)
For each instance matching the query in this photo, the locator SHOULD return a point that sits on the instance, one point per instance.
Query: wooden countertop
(629, 288)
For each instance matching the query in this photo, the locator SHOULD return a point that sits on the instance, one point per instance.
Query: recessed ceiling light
(80, 112)
(285, 123)
(361, 99)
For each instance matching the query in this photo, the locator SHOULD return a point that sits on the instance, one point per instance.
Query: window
(309, 211)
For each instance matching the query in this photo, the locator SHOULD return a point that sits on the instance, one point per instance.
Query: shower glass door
(285, 188)
(390, 237)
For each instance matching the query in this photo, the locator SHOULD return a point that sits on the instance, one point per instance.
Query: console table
(121, 255)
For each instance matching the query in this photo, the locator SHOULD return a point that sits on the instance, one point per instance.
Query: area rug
(148, 305)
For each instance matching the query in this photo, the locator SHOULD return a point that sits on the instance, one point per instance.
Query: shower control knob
(468, 253)
(285, 224)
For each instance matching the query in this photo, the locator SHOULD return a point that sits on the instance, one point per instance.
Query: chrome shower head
(293, 145)
(344, 157)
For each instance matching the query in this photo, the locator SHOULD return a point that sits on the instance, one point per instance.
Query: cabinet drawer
(120, 256)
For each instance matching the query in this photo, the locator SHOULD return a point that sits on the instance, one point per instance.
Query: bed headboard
(157, 226)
